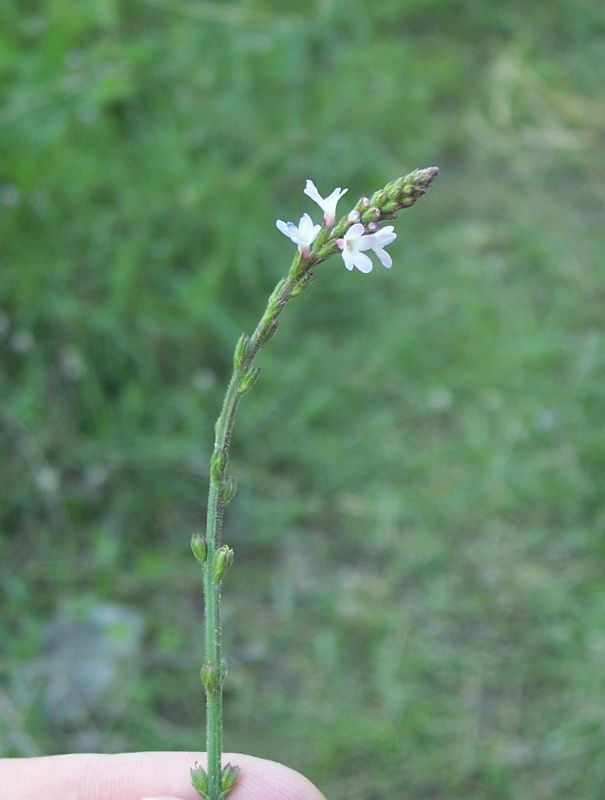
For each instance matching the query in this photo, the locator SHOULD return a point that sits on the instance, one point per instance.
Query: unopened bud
(229, 777)
(372, 227)
(228, 489)
(223, 558)
(199, 779)
(354, 216)
(364, 202)
(249, 380)
(218, 462)
(276, 293)
(411, 187)
(240, 350)
(302, 283)
(379, 198)
(199, 548)
(210, 677)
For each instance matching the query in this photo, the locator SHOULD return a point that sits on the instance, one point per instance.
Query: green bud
(371, 214)
(240, 350)
(218, 462)
(199, 779)
(272, 311)
(320, 239)
(413, 186)
(223, 558)
(229, 777)
(249, 380)
(228, 489)
(210, 676)
(198, 547)
(276, 293)
(379, 198)
(302, 283)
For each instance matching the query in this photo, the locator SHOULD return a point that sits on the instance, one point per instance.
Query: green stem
(214, 668)
(214, 556)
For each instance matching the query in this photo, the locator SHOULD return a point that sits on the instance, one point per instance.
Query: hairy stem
(213, 670)
(211, 553)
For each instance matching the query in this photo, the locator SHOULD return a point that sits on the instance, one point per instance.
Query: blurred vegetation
(417, 605)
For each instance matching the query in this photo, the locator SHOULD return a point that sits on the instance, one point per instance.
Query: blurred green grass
(417, 607)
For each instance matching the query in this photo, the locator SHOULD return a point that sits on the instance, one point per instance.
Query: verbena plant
(352, 236)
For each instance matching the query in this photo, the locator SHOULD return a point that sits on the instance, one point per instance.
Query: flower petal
(289, 229)
(366, 242)
(385, 236)
(363, 262)
(306, 223)
(312, 192)
(384, 257)
(354, 231)
(348, 258)
(333, 198)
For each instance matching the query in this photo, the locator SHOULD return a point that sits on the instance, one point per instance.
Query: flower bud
(302, 283)
(218, 462)
(240, 350)
(229, 777)
(275, 294)
(228, 489)
(223, 558)
(199, 548)
(210, 677)
(372, 227)
(199, 779)
(354, 216)
(249, 380)
(379, 198)
(272, 310)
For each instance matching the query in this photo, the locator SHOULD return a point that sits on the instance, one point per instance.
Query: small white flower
(355, 242)
(327, 204)
(382, 238)
(304, 235)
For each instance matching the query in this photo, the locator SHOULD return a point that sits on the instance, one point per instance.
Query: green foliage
(416, 609)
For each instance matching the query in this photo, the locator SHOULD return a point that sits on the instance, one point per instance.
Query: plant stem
(213, 671)
(211, 553)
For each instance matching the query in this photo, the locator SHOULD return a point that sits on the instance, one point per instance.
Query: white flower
(355, 242)
(382, 238)
(304, 235)
(327, 204)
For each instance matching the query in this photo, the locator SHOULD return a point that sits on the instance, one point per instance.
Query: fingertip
(269, 780)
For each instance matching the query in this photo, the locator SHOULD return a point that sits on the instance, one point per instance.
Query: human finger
(135, 776)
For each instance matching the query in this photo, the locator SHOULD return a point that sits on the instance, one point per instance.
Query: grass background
(417, 608)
